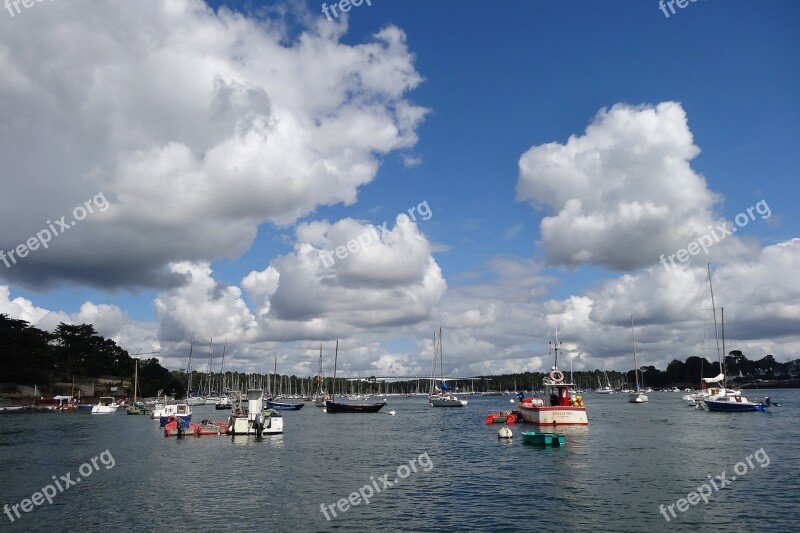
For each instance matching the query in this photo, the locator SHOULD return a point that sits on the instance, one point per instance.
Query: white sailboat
(714, 387)
(439, 397)
(637, 396)
(604, 389)
(192, 400)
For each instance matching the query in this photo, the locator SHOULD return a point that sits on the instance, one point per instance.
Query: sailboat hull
(733, 406)
(285, 406)
(336, 407)
(637, 398)
(450, 401)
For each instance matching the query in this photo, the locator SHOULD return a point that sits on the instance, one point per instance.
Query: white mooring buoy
(505, 432)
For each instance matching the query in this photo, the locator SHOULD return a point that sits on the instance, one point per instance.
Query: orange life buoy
(557, 376)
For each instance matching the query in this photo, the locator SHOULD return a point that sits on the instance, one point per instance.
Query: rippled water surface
(613, 474)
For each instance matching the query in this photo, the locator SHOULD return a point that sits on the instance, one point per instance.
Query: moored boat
(224, 403)
(440, 397)
(332, 406)
(504, 417)
(256, 420)
(636, 396)
(285, 406)
(561, 407)
(735, 403)
(544, 439)
(181, 410)
(105, 405)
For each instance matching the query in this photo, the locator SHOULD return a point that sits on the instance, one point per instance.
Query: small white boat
(106, 405)
(179, 410)
(224, 403)
(257, 420)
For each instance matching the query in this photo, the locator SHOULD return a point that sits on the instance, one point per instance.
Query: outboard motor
(766, 401)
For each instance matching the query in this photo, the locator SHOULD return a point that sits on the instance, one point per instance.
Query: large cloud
(387, 277)
(623, 193)
(198, 126)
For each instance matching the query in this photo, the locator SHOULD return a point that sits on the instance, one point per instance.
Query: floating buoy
(505, 432)
(392, 412)
(511, 401)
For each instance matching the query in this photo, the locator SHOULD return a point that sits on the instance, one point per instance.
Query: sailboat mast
(635, 366)
(714, 311)
(222, 366)
(441, 359)
(189, 386)
(210, 363)
(722, 365)
(433, 369)
(335, 359)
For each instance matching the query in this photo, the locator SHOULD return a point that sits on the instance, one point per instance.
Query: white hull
(195, 401)
(242, 425)
(604, 391)
(637, 398)
(104, 409)
(447, 401)
(105, 406)
(559, 415)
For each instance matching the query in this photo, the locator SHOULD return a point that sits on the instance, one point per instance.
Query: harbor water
(424, 469)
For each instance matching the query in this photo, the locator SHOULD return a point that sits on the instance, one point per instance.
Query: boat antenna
(554, 345)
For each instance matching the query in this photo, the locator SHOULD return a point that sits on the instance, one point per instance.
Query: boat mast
(635, 366)
(714, 311)
(433, 369)
(335, 359)
(441, 360)
(210, 363)
(722, 365)
(554, 345)
(189, 386)
(222, 366)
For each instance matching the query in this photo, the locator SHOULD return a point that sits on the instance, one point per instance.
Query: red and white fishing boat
(559, 406)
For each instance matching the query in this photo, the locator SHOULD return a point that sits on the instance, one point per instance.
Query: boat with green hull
(544, 439)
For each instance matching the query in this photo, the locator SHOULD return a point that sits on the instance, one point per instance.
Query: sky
(274, 178)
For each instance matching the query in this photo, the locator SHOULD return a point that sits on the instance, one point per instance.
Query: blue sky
(496, 81)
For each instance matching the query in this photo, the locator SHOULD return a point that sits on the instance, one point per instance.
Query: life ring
(557, 376)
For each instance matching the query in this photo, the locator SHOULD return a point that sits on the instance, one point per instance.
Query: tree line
(31, 356)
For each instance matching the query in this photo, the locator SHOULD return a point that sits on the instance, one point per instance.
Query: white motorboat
(179, 410)
(224, 403)
(105, 405)
(257, 420)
